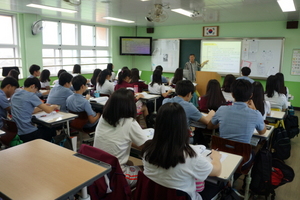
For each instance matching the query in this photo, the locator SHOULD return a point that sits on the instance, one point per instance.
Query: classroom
(65, 39)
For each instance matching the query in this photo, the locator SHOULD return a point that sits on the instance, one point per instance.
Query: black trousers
(42, 133)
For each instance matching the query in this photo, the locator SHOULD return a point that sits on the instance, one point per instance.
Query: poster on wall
(296, 62)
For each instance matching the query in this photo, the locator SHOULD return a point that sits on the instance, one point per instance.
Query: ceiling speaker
(292, 25)
(150, 30)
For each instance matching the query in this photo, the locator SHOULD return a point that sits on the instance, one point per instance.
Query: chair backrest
(11, 131)
(104, 95)
(118, 184)
(80, 121)
(234, 147)
(147, 189)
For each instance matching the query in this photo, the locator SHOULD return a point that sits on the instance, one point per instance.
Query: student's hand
(215, 155)
(139, 96)
(87, 96)
(54, 106)
(251, 104)
(211, 113)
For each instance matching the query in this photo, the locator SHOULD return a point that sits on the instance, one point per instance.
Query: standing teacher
(191, 67)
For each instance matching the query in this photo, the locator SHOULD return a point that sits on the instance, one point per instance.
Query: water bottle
(97, 94)
(136, 88)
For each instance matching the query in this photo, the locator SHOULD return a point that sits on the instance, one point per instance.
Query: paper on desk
(100, 100)
(47, 116)
(205, 152)
(149, 133)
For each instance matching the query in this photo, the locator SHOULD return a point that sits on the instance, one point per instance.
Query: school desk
(150, 97)
(42, 170)
(276, 115)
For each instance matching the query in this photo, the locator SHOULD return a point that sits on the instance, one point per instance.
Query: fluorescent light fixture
(119, 20)
(51, 8)
(183, 12)
(286, 5)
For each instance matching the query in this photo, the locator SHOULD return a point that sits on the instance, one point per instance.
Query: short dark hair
(78, 81)
(110, 67)
(192, 54)
(228, 80)
(184, 87)
(9, 81)
(241, 90)
(45, 76)
(170, 144)
(77, 69)
(64, 78)
(33, 68)
(32, 81)
(156, 77)
(159, 67)
(123, 74)
(60, 72)
(246, 71)
(13, 73)
(102, 76)
(121, 104)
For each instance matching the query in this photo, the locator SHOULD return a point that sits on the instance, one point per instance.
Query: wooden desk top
(54, 118)
(229, 165)
(148, 96)
(43, 170)
(267, 134)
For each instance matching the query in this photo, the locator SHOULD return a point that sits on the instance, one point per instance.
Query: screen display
(135, 46)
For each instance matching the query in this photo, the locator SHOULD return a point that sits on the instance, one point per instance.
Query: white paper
(47, 116)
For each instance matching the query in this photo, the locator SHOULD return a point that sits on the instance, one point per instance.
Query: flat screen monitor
(5, 70)
(136, 46)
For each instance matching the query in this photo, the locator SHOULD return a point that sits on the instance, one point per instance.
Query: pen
(211, 151)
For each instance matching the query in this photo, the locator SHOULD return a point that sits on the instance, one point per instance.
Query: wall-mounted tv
(136, 46)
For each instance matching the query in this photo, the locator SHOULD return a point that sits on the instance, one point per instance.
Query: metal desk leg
(68, 129)
(84, 194)
(154, 107)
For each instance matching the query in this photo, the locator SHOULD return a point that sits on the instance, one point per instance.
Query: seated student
(163, 79)
(8, 87)
(156, 86)
(237, 122)
(76, 102)
(178, 76)
(228, 80)
(45, 79)
(110, 67)
(124, 79)
(246, 72)
(23, 104)
(277, 100)
(135, 80)
(118, 130)
(13, 73)
(76, 70)
(55, 83)
(259, 101)
(213, 98)
(95, 76)
(170, 161)
(123, 68)
(104, 86)
(35, 72)
(59, 94)
(282, 89)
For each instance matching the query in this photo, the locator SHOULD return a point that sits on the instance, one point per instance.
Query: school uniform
(237, 122)
(77, 103)
(228, 96)
(113, 76)
(163, 79)
(4, 103)
(58, 95)
(277, 101)
(156, 88)
(117, 142)
(45, 84)
(124, 84)
(246, 78)
(106, 88)
(182, 176)
(267, 107)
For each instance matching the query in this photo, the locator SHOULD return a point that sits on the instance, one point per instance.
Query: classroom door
(188, 47)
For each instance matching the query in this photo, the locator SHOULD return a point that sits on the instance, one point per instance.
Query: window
(66, 44)
(9, 49)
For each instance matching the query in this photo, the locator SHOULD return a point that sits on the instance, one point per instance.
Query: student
(8, 87)
(170, 161)
(118, 130)
(191, 67)
(156, 86)
(124, 78)
(56, 82)
(45, 79)
(110, 67)
(238, 121)
(23, 104)
(258, 98)
(76, 102)
(135, 80)
(276, 99)
(246, 72)
(160, 68)
(228, 80)
(123, 68)
(213, 98)
(185, 90)
(13, 73)
(59, 94)
(282, 89)
(34, 71)
(104, 86)
(178, 76)
(76, 70)
(95, 76)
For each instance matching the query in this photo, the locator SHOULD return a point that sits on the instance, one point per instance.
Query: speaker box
(150, 30)
(292, 25)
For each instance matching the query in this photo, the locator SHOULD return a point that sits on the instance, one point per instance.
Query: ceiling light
(183, 12)
(286, 5)
(119, 20)
(51, 8)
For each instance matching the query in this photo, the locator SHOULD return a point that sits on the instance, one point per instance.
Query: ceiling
(211, 11)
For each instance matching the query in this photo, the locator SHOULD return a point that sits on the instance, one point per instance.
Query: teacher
(190, 68)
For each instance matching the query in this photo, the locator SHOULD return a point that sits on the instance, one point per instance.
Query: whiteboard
(262, 56)
(165, 53)
(224, 56)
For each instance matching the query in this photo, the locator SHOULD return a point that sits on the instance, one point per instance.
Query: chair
(117, 182)
(11, 130)
(238, 148)
(104, 95)
(146, 189)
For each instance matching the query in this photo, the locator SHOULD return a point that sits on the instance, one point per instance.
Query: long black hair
(258, 97)
(77, 69)
(102, 76)
(135, 75)
(280, 81)
(271, 86)
(214, 95)
(170, 144)
(95, 75)
(229, 79)
(110, 67)
(156, 77)
(178, 76)
(45, 76)
(123, 74)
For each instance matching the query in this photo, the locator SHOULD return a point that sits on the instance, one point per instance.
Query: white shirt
(228, 96)
(278, 101)
(117, 140)
(183, 175)
(267, 109)
(113, 76)
(45, 84)
(156, 89)
(106, 88)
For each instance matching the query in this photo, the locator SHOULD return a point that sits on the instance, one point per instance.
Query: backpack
(63, 140)
(281, 173)
(291, 125)
(280, 145)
